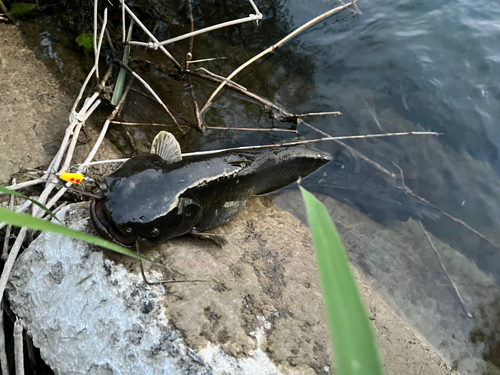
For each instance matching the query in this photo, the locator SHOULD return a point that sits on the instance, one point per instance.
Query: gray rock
(259, 310)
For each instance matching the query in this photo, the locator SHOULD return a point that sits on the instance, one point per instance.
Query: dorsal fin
(166, 146)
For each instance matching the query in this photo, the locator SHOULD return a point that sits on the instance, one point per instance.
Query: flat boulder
(253, 306)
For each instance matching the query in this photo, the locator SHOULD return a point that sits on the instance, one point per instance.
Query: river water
(388, 67)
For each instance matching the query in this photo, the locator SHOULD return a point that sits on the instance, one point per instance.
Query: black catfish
(162, 195)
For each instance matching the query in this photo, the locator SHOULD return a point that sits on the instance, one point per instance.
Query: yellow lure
(74, 178)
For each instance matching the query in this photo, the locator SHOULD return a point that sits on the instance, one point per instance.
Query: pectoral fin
(215, 238)
(166, 146)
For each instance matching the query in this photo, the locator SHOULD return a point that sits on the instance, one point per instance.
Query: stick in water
(467, 313)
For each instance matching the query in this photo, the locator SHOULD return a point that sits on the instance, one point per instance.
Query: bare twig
(110, 161)
(221, 79)
(106, 125)
(9, 263)
(210, 152)
(467, 313)
(18, 346)
(145, 84)
(108, 37)
(26, 184)
(101, 39)
(189, 56)
(95, 34)
(156, 44)
(123, 22)
(80, 94)
(142, 124)
(199, 123)
(151, 36)
(253, 129)
(274, 46)
(191, 20)
(294, 118)
(205, 60)
(5, 252)
(3, 353)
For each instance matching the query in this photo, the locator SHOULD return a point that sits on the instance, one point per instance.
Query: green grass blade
(23, 220)
(352, 338)
(4, 190)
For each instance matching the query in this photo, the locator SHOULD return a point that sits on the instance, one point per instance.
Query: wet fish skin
(150, 199)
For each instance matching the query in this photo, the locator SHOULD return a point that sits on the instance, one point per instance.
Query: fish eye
(128, 229)
(155, 232)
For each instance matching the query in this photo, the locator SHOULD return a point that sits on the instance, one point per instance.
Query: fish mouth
(105, 227)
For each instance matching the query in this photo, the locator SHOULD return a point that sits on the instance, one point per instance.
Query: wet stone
(259, 311)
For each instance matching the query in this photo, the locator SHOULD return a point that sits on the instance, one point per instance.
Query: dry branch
(151, 36)
(146, 85)
(457, 291)
(154, 45)
(274, 46)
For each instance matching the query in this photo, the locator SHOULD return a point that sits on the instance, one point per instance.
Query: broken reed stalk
(18, 346)
(101, 38)
(4, 365)
(457, 291)
(95, 36)
(138, 21)
(26, 184)
(221, 78)
(208, 127)
(142, 124)
(274, 46)
(189, 56)
(210, 152)
(156, 44)
(205, 60)
(191, 21)
(5, 252)
(253, 129)
(123, 22)
(145, 84)
(294, 118)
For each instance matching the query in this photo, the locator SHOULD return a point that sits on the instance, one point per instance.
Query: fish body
(154, 199)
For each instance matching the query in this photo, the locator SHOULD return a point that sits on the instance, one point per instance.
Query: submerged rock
(257, 309)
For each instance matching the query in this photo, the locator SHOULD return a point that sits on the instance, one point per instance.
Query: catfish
(164, 195)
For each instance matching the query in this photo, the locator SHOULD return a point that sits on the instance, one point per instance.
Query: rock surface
(34, 101)
(258, 311)
(397, 261)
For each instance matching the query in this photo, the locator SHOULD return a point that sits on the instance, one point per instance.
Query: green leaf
(18, 9)
(23, 220)
(4, 190)
(352, 338)
(86, 40)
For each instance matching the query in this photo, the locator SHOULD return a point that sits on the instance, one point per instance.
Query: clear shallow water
(401, 66)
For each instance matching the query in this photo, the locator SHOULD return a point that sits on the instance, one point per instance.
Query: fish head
(179, 220)
(142, 201)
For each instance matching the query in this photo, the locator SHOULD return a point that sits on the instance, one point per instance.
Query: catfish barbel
(162, 195)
